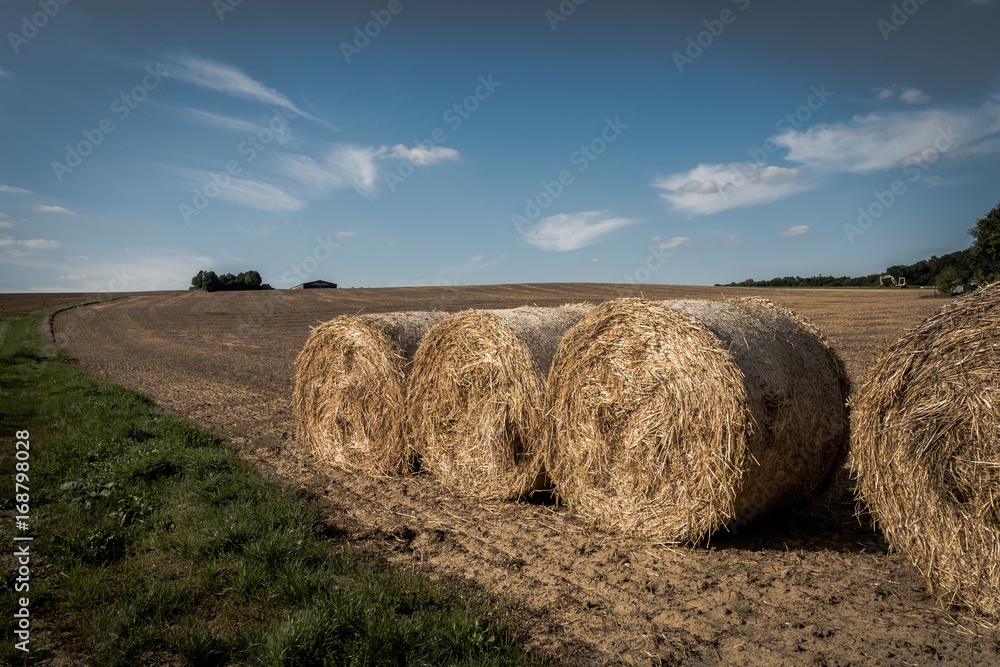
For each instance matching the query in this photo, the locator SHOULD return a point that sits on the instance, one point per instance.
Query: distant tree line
(814, 281)
(980, 262)
(227, 282)
(940, 272)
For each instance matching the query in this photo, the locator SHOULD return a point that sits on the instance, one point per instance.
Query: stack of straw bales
(926, 449)
(671, 420)
(477, 398)
(350, 390)
(664, 419)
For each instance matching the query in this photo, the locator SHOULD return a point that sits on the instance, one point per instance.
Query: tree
(248, 280)
(986, 248)
(212, 282)
(208, 281)
(205, 280)
(946, 279)
(198, 280)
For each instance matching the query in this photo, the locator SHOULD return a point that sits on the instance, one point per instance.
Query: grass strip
(154, 543)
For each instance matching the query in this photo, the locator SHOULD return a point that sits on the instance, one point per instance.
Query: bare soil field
(812, 585)
(29, 301)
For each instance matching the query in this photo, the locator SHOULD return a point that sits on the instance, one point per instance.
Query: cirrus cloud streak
(565, 232)
(711, 188)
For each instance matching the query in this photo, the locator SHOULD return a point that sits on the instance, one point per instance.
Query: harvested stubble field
(813, 585)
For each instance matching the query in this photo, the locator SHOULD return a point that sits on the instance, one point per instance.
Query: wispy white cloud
(882, 141)
(986, 146)
(221, 122)
(914, 96)
(796, 230)
(14, 253)
(248, 192)
(345, 166)
(732, 239)
(5, 73)
(565, 232)
(347, 235)
(905, 94)
(308, 172)
(39, 244)
(927, 155)
(30, 244)
(132, 270)
(43, 208)
(670, 244)
(260, 196)
(355, 166)
(14, 190)
(228, 80)
(864, 144)
(424, 155)
(711, 188)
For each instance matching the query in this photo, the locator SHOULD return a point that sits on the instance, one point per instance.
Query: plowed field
(814, 585)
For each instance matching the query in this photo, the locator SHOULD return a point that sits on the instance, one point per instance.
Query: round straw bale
(350, 389)
(476, 398)
(670, 420)
(926, 449)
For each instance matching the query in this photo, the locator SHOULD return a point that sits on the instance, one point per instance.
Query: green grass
(155, 543)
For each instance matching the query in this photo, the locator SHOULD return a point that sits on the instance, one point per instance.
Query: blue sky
(423, 142)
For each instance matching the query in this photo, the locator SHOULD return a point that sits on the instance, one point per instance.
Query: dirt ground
(29, 301)
(813, 585)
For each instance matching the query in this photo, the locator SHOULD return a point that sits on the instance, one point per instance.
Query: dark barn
(316, 284)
